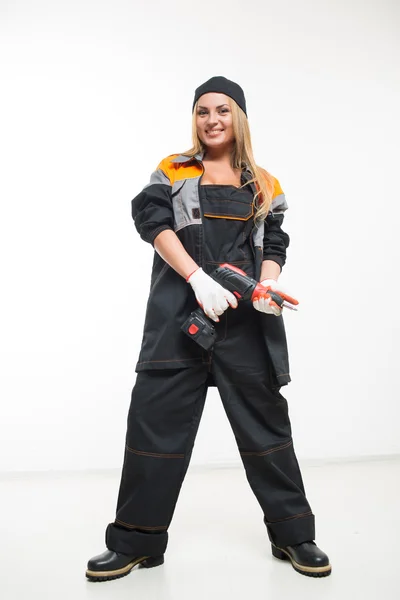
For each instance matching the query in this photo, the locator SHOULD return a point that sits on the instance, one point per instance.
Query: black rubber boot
(306, 558)
(112, 565)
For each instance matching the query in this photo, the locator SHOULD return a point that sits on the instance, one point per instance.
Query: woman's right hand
(212, 297)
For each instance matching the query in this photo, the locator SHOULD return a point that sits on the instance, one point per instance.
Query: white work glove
(264, 304)
(212, 297)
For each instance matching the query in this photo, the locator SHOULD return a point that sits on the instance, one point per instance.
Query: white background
(94, 95)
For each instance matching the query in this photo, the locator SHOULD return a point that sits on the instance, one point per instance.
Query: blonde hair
(242, 153)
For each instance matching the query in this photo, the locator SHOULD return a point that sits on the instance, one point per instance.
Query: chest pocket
(227, 202)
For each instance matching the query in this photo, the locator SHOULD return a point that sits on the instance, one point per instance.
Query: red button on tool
(193, 329)
(237, 294)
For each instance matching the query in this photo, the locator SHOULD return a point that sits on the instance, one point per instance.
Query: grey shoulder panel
(258, 234)
(158, 176)
(185, 200)
(279, 204)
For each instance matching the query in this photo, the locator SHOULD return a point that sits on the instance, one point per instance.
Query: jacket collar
(182, 158)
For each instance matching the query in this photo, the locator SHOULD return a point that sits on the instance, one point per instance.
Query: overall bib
(167, 404)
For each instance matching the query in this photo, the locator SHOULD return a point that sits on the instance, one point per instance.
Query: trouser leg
(163, 420)
(258, 414)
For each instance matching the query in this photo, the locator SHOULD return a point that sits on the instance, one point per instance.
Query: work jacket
(171, 200)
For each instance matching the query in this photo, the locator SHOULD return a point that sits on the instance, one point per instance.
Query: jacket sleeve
(275, 239)
(152, 209)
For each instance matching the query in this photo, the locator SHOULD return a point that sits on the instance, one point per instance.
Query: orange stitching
(246, 218)
(142, 453)
(267, 451)
(140, 526)
(233, 217)
(166, 360)
(283, 374)
(291, 517)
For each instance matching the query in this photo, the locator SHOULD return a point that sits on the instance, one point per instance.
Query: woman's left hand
(267, 305)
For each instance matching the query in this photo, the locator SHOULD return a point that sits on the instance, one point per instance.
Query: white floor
(218, 548)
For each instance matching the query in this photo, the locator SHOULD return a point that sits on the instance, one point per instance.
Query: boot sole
(144, 561)
(303, 569)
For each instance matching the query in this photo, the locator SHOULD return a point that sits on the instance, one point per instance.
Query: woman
(210, 205)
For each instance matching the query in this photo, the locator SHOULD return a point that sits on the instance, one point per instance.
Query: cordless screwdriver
(198, 327)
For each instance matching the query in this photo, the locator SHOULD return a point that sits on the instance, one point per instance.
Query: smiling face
(214, 120)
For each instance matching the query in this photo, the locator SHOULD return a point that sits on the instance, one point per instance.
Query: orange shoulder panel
(177, 171)
(277, 188)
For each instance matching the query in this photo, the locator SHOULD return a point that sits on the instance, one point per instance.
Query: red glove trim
(188, 277)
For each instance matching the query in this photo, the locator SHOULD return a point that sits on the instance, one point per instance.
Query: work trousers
(163, 419)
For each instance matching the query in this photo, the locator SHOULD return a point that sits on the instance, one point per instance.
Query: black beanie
(223, 86)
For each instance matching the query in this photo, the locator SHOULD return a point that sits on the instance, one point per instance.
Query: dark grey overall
(167, 404)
